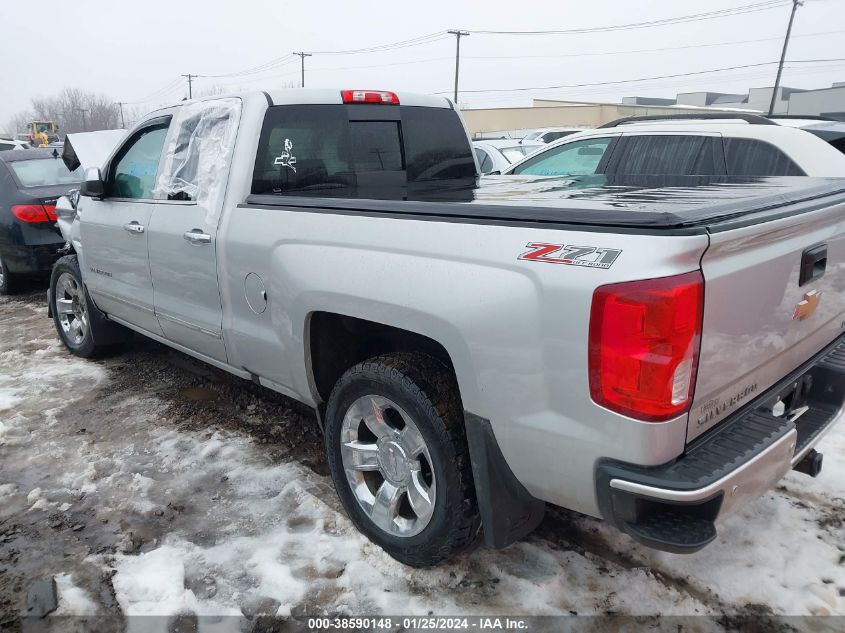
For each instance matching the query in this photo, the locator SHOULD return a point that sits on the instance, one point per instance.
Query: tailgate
(763, 316)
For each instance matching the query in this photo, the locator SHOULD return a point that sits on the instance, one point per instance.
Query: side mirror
(93, 185)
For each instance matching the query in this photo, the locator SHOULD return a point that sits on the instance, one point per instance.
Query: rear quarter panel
(516, 330)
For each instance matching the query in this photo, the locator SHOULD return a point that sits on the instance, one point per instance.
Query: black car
(31, 181)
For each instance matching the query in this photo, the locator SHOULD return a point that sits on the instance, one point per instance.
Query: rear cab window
(320, 148)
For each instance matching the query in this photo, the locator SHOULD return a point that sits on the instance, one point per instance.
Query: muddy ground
(150, 483)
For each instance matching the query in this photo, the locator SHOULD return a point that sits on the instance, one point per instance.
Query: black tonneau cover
(684, 204)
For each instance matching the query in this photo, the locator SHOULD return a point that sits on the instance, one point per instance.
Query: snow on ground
(190, 511)
(73, 600)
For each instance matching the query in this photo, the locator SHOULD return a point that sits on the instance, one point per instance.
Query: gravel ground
(150, 484)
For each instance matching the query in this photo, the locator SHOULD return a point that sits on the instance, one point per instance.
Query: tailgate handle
(813, 264)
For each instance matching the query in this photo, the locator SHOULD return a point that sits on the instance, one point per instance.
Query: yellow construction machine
(43, 133)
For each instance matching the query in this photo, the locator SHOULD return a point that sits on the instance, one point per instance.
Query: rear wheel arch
(334, 342)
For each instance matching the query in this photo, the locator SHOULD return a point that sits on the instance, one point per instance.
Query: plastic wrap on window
(199, 154)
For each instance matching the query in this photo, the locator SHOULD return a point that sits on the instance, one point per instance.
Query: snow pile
(73, 600)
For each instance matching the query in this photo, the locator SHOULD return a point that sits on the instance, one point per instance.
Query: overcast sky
(136, 51)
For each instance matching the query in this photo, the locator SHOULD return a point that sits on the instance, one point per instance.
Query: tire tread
(433, 386)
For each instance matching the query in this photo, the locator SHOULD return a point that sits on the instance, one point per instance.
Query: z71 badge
(590, 256)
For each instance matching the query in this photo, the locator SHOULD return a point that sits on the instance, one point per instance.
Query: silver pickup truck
(656, 353)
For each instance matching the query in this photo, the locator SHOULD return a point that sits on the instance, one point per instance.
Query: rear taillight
(644, 342)
(369, 96)
(34, 213)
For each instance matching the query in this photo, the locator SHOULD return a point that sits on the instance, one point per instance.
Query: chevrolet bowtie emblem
(807, 305)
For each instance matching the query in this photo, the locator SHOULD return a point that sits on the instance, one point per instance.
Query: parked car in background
(31, 180)
(498, 155)
(549, 134)
(7, 144)
(829, 130)
(686, 145)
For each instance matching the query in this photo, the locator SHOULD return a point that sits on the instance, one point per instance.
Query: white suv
(685, 145)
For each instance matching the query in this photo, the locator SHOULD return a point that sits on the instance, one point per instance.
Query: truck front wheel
(399, 459)
(82, 328)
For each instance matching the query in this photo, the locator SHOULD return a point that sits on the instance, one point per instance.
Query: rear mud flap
(508, 511)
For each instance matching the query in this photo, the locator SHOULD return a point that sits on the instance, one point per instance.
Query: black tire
(100, 336)
(7, 279)
(424, 388)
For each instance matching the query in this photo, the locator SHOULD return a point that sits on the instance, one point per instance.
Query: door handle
(134, 227)
(196, 236)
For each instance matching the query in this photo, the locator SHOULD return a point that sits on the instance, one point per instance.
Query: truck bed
(674, 205)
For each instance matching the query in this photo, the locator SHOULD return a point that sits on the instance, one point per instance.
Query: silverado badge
(807, 305)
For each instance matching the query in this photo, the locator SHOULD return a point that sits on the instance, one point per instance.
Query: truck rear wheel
(399, 459)
(79, 324)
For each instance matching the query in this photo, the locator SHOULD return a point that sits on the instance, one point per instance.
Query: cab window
(579, 158)
(133, 173)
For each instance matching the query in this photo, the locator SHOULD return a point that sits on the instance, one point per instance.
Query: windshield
(40, 172)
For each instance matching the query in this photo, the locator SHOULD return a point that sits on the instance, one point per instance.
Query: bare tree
(73, 110)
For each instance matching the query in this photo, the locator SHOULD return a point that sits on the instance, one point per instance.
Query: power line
(269, 65)
(562, 55)
(647, 50)
(415, 41)
(167, 88)
(696, 17)
(625, 81)
(739, 78)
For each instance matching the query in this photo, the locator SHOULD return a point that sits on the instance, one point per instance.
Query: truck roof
(320, 96)
(663, 204)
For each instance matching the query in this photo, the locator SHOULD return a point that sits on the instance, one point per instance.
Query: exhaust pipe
(811, 464)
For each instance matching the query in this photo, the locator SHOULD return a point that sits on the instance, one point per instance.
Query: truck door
(183, 229)
(115, 229)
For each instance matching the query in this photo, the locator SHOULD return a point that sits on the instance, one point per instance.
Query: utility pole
(458, 35)
(84, 124)
(120, 105)
(302, 57)
(795, 5)
(190, 91)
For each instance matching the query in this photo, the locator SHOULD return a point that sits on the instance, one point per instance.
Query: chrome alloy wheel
(388, 465)
(70, 307)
